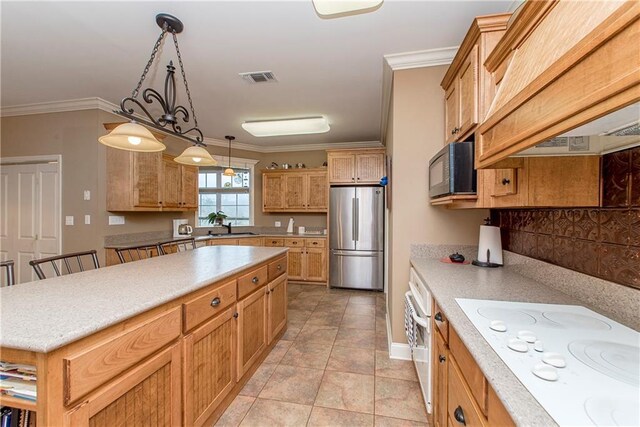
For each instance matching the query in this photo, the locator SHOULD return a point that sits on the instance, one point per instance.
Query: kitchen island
(135, 339)
(487, 381)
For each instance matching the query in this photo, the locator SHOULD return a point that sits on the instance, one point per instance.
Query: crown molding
(421, 58)
(101, 104)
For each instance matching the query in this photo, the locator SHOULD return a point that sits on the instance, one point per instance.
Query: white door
(29, 215)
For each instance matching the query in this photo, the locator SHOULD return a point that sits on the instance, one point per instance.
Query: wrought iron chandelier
(175, 119)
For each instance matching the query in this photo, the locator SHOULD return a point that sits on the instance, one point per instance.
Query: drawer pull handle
(438, 317)
(442, 358)
(505, 181)
(235, 315)
(215, 302)
(255, 280)
(279, 267)
(315, 243)
(459, 416)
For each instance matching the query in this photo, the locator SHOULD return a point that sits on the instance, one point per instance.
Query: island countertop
(450, 281)
(44, 315)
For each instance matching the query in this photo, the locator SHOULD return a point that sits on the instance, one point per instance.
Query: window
(231, 195)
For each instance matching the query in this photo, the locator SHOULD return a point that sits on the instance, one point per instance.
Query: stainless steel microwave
(451, 170)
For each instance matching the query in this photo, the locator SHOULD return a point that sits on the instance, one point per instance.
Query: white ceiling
(53, 51)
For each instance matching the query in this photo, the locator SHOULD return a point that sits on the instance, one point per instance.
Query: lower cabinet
(308, 264)
(252, 329)
(439, 372)
(210, 366)
(277, 291)
(149, 394)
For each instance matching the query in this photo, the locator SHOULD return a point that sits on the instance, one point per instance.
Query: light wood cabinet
(295, 190)
(149, 182)
(252, 329)
(297, 259)
(363, 166)
(315, 265)
(277, 291)
(440, 368)
(210, 366)
(462, 99)
(307, 260)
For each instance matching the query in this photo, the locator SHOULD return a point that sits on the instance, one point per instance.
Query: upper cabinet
(465, 81)
(364, 166)
(295, 190)
(149, 182)
(559, 65)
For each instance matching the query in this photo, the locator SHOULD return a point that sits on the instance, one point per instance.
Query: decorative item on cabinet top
(295, 190)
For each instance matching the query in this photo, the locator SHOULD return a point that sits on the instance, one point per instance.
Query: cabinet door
(316, 264)
(451, 113)
(296, 263)
(146, 179)
(209, 366)
(189, 187)
(441, 359)
(294, 191)
(277, 306)
(272, 192)
(342, 168)
(148, 394)
(171, 182)
(369, 168)
(252, 329)
(468, 93)
(317, 191)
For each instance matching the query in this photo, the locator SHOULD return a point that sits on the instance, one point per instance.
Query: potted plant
(216, 218)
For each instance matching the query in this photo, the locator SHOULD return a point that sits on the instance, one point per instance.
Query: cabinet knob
(505, 181)
(453, 131)
(438, 317)
(268, 291)
(458, 414)
(235, 315)
(279, 267)
(215, 302)
(314, 243)
(255, 279)
(442, 358)
(353, 179)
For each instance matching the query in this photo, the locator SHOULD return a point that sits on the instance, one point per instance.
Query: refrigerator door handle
(356, 218)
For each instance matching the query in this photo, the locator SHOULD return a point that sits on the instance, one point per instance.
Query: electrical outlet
(87, 195)
(116, 220)
(87, 219)
(68, 220)
(278, 224)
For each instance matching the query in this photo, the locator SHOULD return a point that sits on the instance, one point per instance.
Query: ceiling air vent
(259, 77)
(629, 130)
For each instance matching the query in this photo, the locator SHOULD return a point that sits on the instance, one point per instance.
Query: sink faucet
(228, 227)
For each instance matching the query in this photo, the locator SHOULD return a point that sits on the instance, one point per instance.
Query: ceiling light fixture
(133, 136)
(196, 156)
(228, 171)
(340, 8)
(302, 126)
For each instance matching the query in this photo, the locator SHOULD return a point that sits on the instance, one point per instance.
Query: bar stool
(66, 261)
(8, 265)
(137, 253)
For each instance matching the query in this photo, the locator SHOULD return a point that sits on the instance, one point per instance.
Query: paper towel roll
(490, 240)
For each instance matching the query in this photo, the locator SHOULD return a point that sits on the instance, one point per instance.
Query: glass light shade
(287, 127)
(229, 172)
(196, 156)
(338, 8)
(132, 137)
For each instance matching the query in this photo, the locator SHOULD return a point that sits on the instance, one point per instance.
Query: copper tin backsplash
(601, 242)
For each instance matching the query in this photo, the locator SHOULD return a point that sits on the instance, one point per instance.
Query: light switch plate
(87, 195)
(278, 224)
(116, 220)
(68, 220)
(87, 219)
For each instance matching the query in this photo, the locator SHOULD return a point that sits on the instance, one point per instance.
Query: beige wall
(74, 136)
(415, 135)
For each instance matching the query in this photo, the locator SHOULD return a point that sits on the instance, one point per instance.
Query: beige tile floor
(331, 368)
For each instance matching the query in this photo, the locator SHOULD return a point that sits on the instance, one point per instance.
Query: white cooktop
(583, 368)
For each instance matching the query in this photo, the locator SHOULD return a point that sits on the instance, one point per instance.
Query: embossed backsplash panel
(602, 242)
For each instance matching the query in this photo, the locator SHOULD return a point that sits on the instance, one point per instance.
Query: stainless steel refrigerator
(356, 241)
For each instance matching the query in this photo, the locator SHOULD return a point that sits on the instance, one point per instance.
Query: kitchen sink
(247, 233)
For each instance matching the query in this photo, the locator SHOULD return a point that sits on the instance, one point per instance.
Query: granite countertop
(44, 315)
(157, 241)
(450, 281)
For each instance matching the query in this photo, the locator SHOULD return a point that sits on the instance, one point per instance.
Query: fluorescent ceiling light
(287, 127)
(338, 8)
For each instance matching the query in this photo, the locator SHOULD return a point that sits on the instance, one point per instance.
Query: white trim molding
(397, 350)
(421, 58)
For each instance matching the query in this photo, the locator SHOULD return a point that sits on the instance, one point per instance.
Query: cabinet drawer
(86, 370)
(273, 241)
(441, 322)
(213, 302)
(461, 408)
(252, 281)
(470, 370)
(315, 243)
(277, 267)
(292, 242)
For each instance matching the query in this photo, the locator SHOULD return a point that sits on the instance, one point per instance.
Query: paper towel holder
(488, 263)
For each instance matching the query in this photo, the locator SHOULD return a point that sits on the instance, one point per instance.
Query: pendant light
(196, 156)
(132, 137)
(228, 171)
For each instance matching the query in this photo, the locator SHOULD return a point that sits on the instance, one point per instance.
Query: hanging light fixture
(228, 171)
(196, 156)
(175, 119)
